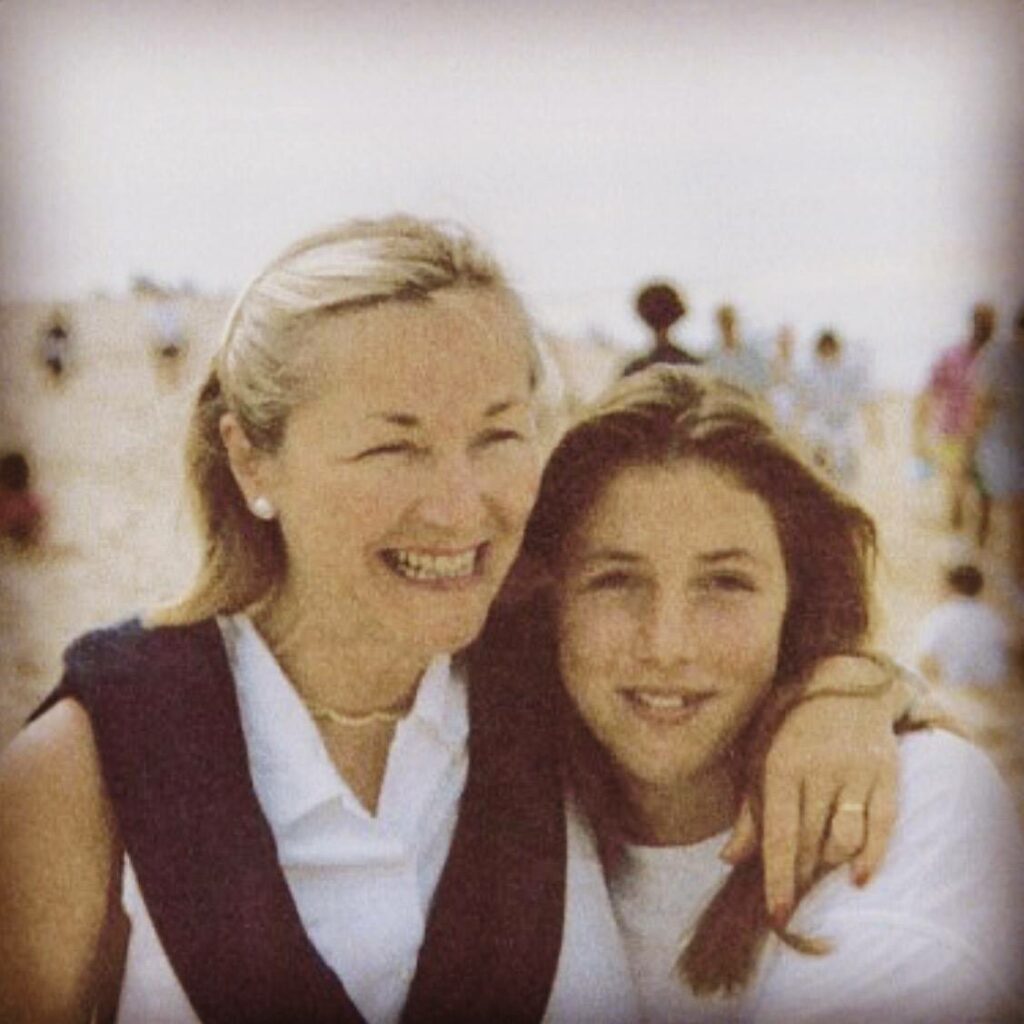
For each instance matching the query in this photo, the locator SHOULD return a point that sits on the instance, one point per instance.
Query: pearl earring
(262, 508)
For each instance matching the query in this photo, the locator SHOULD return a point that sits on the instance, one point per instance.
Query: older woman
(279, 800)
(697, 568)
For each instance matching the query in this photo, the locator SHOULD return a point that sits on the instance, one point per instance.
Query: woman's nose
(454, 496)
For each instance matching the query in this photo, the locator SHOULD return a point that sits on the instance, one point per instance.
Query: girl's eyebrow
(727, 554)
(741, 555)
(608, 554)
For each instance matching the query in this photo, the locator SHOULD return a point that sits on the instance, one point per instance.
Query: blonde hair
(262, 371)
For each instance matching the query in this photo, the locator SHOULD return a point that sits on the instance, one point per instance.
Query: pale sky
(847, 163)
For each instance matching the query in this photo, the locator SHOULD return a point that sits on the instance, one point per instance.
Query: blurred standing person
(834, 391)
(944, 416)
(55, 344)
(163, 318)
(784, 392)
(733, 360)
(962, 641)
(661, 307)
(21, 509)
(967, 648)
(999, 443)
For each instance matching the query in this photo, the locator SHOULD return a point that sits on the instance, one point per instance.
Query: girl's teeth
(663, 702)
(417, 565)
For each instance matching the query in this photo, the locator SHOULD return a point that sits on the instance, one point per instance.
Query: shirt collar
(291, 770)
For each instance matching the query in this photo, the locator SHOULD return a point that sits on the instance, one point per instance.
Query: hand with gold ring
(847, 832)
(835, 750)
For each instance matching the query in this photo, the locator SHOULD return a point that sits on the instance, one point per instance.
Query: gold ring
(850, 807)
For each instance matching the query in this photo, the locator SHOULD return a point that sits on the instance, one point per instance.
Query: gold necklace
(356, 719)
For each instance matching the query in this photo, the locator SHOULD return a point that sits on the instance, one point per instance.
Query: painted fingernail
(780, 912)
(861, 877)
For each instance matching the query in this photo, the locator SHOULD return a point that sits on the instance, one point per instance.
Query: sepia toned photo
(512, 512)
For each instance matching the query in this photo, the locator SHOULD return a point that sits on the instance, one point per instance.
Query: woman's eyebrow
(499, 407)
(410, 422)
(397, 419)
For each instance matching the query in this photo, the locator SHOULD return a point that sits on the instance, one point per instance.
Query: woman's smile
(444, 569)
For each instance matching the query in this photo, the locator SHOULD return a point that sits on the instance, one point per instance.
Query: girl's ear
(249, 465)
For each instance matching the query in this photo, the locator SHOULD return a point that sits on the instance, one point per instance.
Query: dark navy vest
(163, 709)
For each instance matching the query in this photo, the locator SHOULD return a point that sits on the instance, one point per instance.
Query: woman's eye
(395, 448)
(492, 437)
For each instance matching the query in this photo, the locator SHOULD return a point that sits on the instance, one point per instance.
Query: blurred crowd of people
(829, 403)
(968, 430)
(967, 434)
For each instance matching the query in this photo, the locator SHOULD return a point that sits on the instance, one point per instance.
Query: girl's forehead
(677, 505)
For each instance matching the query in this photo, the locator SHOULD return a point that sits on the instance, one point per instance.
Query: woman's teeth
(417, 565)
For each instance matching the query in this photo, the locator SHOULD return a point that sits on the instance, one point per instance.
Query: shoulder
(945, 775)
(58, 852)
(958, 835)
(53, 760)
(939, 929)
(121, 646)
(100, 661)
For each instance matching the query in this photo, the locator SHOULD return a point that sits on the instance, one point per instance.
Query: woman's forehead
(401, 356)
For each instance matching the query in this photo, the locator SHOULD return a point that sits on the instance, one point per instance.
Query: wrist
(864, 674)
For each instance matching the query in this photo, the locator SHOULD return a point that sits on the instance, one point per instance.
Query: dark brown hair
(662, 416)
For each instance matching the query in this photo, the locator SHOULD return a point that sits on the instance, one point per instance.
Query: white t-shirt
(362, 884)
(935, 938)
(969, 642)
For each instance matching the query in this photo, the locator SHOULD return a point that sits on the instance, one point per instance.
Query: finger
(779, 846)
(815, 812)
(848, 827)
(878, 824)
(742, 843)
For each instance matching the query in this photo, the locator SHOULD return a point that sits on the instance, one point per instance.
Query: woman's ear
(249, 465)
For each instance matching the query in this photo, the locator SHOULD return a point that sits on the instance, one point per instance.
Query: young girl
(697, 567)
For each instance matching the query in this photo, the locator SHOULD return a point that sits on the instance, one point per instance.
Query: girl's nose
(668, 634)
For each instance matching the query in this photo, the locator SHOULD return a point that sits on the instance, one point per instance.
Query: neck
(685, 811)
(332, 661)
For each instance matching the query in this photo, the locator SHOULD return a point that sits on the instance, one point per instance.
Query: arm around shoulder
(59, 858)
(937, 935)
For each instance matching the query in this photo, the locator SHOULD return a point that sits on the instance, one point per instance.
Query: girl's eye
(728, 583)
(395, 448)
(614, 579)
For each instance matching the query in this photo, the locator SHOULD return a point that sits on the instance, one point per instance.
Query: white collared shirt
(362, 883)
